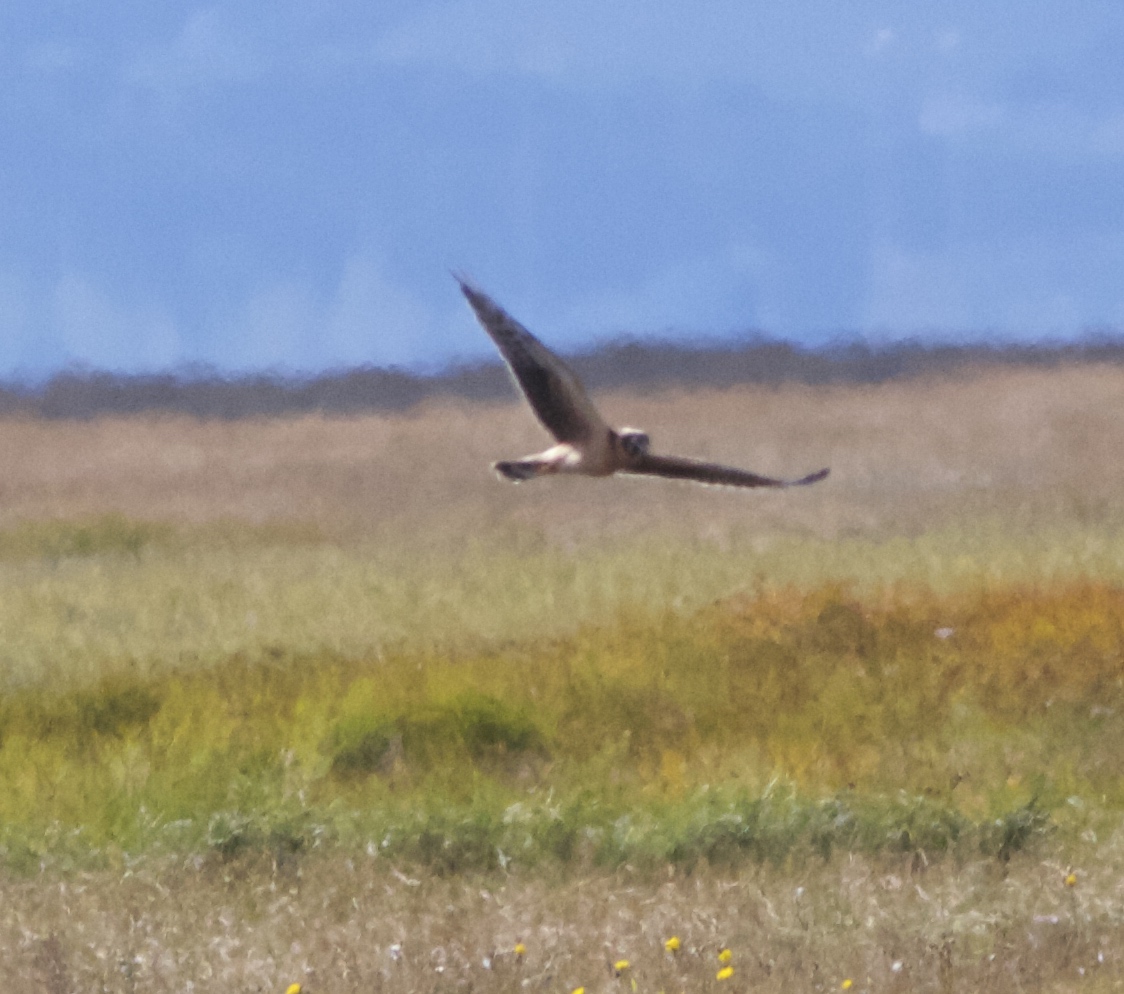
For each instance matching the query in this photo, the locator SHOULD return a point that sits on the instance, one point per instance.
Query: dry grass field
(907, 456)
(355, 534)
(350, 925)
(277, 695)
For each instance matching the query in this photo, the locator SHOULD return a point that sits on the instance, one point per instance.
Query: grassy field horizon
(249, 650)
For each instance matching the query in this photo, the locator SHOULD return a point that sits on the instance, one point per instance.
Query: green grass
(83, 601)
(966, 697)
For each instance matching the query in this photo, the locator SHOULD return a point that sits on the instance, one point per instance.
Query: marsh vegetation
(274, 667)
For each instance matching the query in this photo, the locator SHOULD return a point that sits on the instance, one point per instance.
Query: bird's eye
(635, 442)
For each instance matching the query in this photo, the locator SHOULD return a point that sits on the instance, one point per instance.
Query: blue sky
(285, 186)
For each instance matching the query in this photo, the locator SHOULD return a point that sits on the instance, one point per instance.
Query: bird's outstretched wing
(550, 386)
(678, 468)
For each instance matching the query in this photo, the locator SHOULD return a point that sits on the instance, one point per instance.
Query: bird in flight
(586, 444)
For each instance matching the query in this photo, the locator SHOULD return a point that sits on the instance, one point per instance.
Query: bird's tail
(519, 470)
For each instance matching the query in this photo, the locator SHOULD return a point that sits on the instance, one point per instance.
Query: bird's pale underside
(586, 444)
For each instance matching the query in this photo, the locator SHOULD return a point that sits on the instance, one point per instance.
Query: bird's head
(634, 442)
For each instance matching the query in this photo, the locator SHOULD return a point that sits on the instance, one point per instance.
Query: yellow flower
(725, 973)
(847, 984)
(293, 989)
(724, 955)
(578, 990)
(620, 966)
(1071, 880)
(672, 944)
(520, 949)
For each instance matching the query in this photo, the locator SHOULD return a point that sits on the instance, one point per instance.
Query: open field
(358, 534)
(297, 657)
(888, 924)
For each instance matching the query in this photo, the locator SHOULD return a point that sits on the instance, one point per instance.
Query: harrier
(586, 444)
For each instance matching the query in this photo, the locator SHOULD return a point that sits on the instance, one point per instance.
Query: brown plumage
(586, 444)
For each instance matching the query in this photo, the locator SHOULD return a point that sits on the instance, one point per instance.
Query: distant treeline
(634, 365)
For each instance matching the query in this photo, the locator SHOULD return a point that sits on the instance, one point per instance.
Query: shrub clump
(480, 728)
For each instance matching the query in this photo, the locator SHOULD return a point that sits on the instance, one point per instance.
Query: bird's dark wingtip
(811, 478)
(464, 281)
